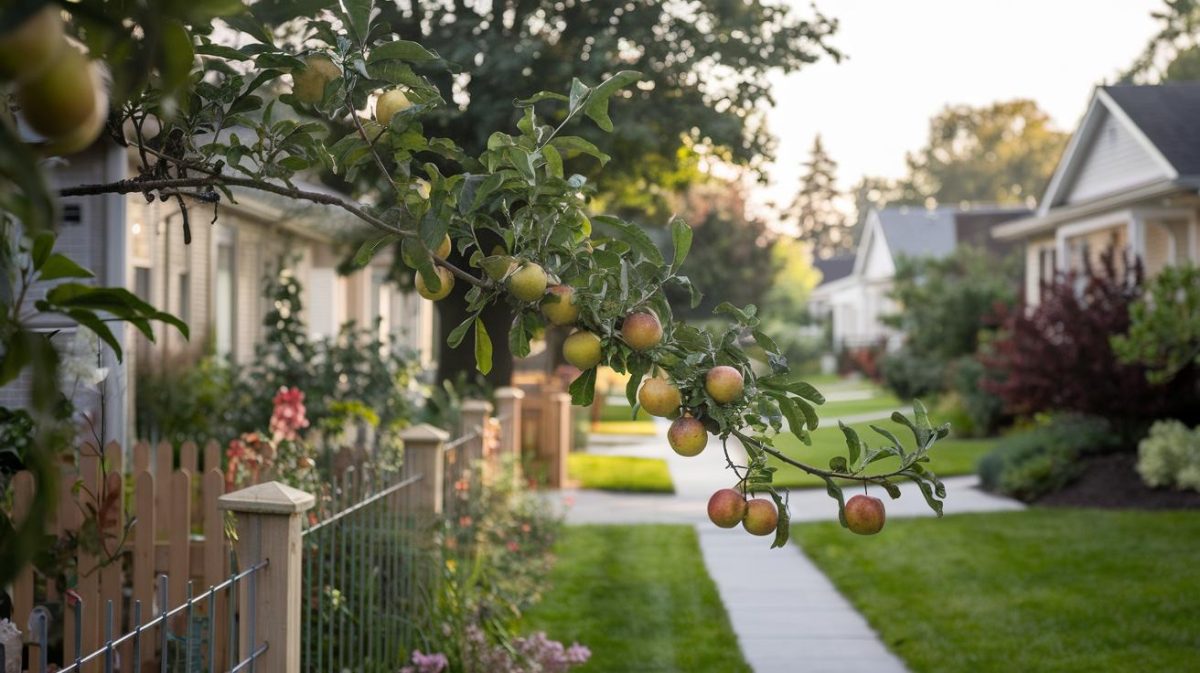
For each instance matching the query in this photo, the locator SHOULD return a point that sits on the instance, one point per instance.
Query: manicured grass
(624, 413)
(1040, 590)
(623, 428)
(880, 402)
(948, 457)
(640, 598)
(620, 473)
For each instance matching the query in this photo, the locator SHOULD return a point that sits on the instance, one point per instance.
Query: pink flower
(513, 546)
(289, 415)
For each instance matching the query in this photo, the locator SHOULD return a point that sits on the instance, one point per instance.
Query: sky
(907, 59)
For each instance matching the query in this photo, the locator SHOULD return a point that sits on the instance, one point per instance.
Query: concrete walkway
(787, 615)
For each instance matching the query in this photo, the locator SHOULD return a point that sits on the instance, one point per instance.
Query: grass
(623, 428)
(1039, 590)
(623, 413)
(880, 402)
(640, 598)
(620, 473)
(948, 457)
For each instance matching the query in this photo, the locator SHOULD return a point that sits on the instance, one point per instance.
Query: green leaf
(793, 383)
(572, 145)
(579, 92)
(854, 445)
(58, 266)
(835, 492)
(810, 414)
(583, 388)
(401, 50)
(597, 105)
(43, 245)
(93, 322)
(792, 413)
(783, 528)
(637, 370)
(519, 336)
(681, 239)
(523, 162)
(358, 12)
(554, 162)
(459, 333)
(839, 464)
(631, 234)
(366, 251)
(483, 348)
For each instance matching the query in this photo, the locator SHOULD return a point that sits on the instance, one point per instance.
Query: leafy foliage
(1058, 357)
(1170, 456)
(1043, 459)
(1164, 330)
(815, 210)
(1173, 53)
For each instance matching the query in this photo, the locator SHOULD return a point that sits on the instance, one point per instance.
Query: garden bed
(1112, 482)
(620, 473)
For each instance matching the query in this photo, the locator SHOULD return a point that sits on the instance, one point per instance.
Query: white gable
(879, 262)
(1114, 160)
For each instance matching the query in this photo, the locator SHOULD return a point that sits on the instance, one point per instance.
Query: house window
(224, 298)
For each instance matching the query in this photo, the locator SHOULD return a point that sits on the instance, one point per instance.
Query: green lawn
(640, 598)
(948, 457)
(880, 402)
(1040, 590)
(620, 473)
(622, 412)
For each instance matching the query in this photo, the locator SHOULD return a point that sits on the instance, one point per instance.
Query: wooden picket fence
(174, 528)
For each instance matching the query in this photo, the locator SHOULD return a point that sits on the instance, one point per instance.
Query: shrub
(1032, 463)
(1170, 456)
(1164, 330)
(1057, 357)
(983, 410)
(911, 375)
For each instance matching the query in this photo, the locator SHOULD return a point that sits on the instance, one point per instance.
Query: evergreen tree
(814, 209)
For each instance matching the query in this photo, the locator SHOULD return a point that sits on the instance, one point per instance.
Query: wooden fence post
(269, 529)
(475, 414)
(555, 438)
(423, 455)
(508, 410)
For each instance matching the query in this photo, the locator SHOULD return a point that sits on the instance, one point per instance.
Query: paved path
(787, 615)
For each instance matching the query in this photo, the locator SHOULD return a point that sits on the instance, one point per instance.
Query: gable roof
(834, 268)
(918, 232)
(1168, 115)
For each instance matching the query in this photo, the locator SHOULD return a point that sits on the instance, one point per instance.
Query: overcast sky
(909, 58)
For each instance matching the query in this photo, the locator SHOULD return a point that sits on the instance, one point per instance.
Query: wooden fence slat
(179, 535)
(112, 580)
(215, 554)
(143, 553)
(22, 592)
(87, 562)
(212, 455)
(163, 464)
(141, 457)
(189, 457)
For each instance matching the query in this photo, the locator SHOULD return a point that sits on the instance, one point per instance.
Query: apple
(659, 398)
(727, 507)
(559, 306)
(528, 283)
(390, 104)
(308, 84)
(31, 47)
(498, 266)
(447, 279)
(641, 331)
(423, 190)
(687, 436)
(86, 133)
(724, 384)
(443, 250)
(582, 349)
(761, 517)
(62, 97)
(865, 515)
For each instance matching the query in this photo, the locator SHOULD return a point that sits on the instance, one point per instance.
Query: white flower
(10, 638)
(80, 360)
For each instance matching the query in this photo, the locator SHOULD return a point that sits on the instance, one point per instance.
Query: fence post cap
(476, 406)
(269, 498)
(509, 393)
(424, 432)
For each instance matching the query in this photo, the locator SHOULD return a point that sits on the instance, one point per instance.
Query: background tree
(705, 86)
(1173, 53)
(1000, 153)
(734, 263)
(815, 209)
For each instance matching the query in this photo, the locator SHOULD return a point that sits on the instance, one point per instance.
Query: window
(185, 297)
(223, 296)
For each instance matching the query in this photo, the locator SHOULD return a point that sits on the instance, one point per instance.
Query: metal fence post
(475, 414)
(268, 522)
(423, 456)
(508, 409)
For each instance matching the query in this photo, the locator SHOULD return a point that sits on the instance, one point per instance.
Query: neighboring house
(1128, 180)
(856, 301)
(216, 282)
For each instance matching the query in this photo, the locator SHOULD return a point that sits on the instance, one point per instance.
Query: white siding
(1115, 161)
(879, 262)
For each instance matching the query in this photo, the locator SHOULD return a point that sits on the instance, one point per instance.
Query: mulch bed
(1112, 482)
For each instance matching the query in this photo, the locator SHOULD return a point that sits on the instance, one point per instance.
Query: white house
(1128, 180)
(215, 283)
(857, 299)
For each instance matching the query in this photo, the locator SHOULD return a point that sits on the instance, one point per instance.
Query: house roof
(835, 268)
(1167, 114)
(918, 232)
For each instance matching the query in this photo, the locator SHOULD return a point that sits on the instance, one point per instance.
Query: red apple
(865, 515)
(727, 507)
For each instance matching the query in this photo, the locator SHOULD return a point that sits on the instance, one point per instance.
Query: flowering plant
(282, 455)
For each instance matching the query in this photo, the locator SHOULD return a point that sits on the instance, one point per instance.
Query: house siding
(1115, 161)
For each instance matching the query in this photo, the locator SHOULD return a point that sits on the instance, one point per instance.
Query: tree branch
(135, 185)
(815, 471)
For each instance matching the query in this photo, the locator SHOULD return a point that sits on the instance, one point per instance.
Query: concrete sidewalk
(787, 615)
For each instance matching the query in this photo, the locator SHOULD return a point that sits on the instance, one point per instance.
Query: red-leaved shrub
(1057, 357)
